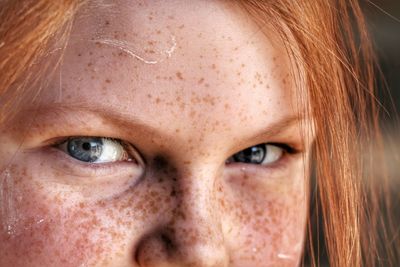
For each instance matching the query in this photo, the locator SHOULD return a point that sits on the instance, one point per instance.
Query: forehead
(204, 61)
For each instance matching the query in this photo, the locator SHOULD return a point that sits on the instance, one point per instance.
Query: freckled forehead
(196, 60)
(142, 16)
(154, 30)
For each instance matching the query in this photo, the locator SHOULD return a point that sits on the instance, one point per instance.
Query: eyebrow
(119, 119)
(278, 127)
(127, 121)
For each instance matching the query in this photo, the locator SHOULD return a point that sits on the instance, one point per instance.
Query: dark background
(383, 18)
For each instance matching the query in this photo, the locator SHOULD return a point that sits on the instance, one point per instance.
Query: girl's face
(169, 136)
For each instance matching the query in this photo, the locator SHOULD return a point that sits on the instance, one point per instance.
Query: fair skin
(184, 87)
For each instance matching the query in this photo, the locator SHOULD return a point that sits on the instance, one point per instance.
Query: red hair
(325, 38)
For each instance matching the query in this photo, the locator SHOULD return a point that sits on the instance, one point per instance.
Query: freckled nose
(194, 236)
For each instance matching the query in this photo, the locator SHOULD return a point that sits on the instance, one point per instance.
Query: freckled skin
(203, 100)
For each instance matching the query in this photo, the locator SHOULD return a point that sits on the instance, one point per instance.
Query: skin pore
(179, 89)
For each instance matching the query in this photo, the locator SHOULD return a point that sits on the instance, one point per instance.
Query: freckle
(150, 17)
(148, 95)
(182, 26)
(107, 22)
(171, 17)
(108, 81)
(158, 32)
(213, 66)
(79, 55)
(173, 193)
(179, 75)
(89, 64)
(158, 100)
(201, 81)
(90, 53)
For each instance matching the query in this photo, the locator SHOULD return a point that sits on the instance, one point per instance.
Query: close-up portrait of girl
(189, 133)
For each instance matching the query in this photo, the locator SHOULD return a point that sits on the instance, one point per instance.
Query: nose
(194, 236)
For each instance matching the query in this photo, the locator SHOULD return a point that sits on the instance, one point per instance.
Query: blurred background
(383, 18)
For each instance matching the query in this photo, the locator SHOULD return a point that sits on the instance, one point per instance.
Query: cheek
(267, 224)
(46, 227)
(41, 227)
(37, 230)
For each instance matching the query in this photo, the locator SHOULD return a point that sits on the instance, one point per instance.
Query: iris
(87, 149)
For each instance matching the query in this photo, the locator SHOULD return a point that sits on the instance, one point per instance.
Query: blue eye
(95, 149)
(262, 154)
(85, 149)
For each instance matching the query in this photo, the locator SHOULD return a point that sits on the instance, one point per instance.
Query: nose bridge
(193, 236)
(196, 224)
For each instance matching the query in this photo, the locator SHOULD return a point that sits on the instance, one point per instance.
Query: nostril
(168, 242)
(154, 250)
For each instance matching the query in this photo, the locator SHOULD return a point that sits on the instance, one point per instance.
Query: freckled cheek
(34, 226)
(46, 227)
(270, 223)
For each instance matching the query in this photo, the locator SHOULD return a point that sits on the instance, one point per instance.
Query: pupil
(86, 146)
